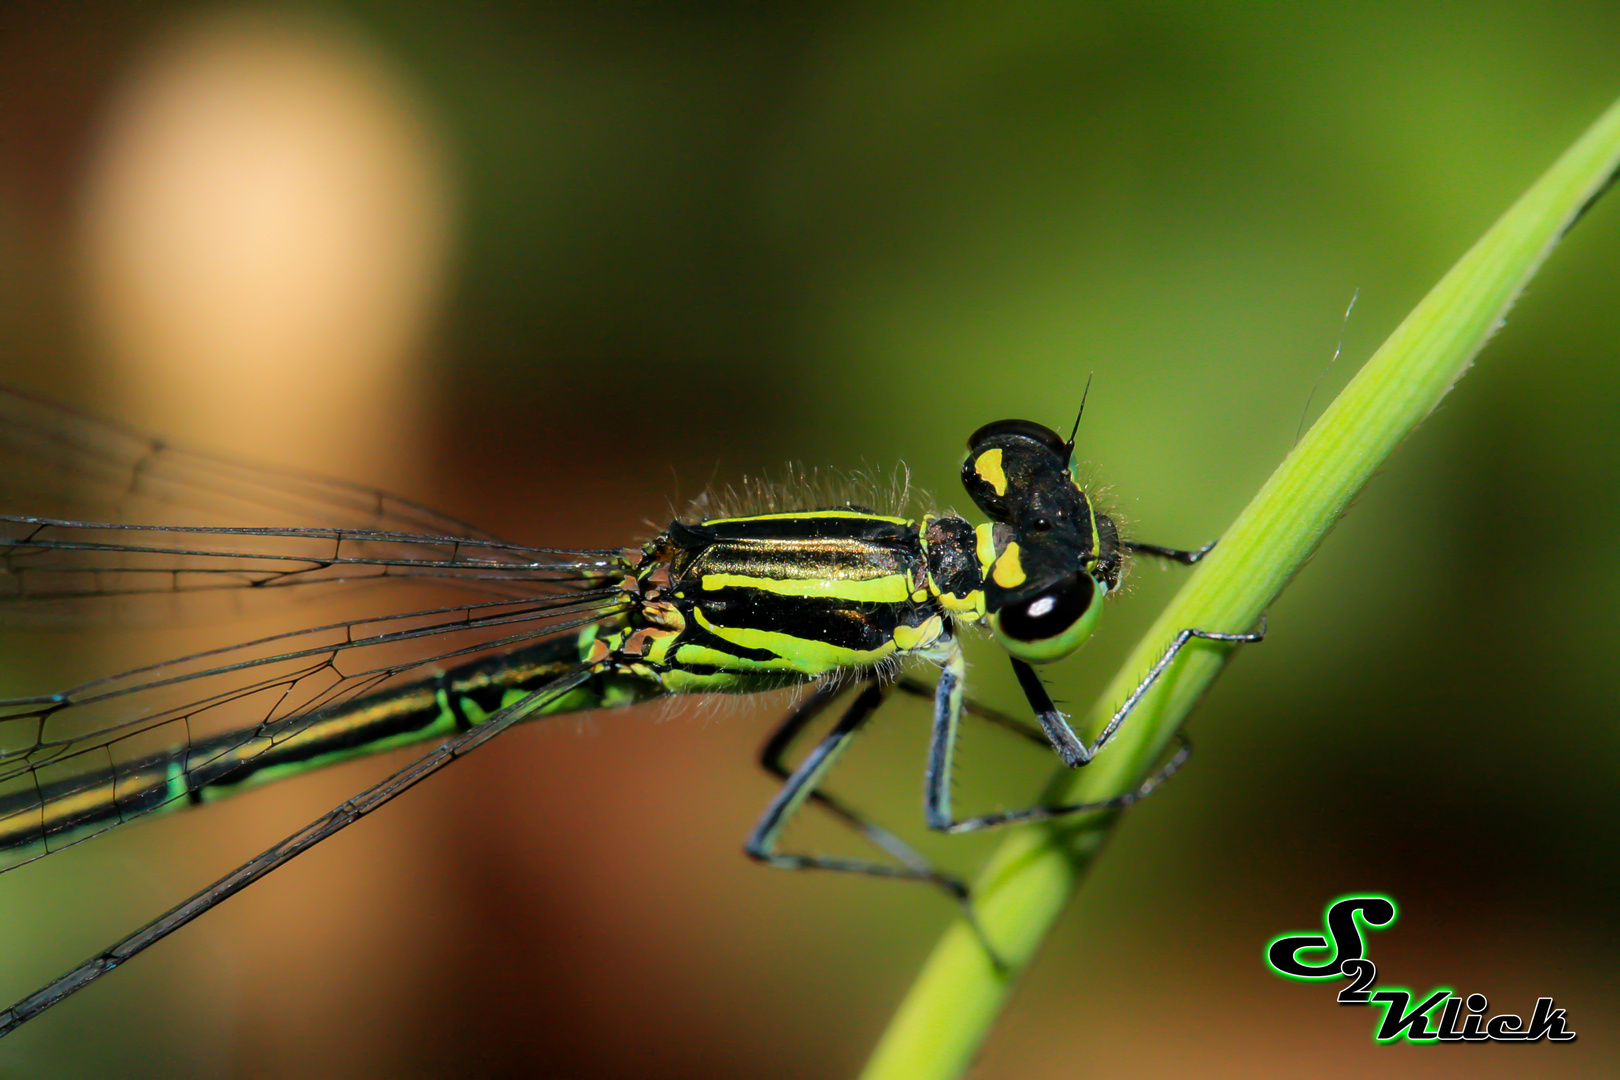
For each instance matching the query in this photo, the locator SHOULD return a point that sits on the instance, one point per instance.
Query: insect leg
(771, 757)
(1258, 634)
(1024, 730)
(1072, 750)
(801, 785)
(1018, 727)
(948, 709)
(1186, 558)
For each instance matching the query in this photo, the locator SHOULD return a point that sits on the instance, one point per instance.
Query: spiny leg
(801, 784)
(1186, 558)
(1250, 637)
(1021, 728)
(771, 757)
(1070, 748)
(1068, 745)
(948, 709)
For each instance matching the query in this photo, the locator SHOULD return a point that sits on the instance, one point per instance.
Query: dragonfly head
(1054, 556)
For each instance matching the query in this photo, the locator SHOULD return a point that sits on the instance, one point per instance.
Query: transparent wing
(76, 763)
(101, 523)
(53, 569)
(63, 463)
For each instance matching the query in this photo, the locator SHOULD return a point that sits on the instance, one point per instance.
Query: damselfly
(833, 595)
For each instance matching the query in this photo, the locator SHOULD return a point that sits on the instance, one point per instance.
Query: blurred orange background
(557, 268)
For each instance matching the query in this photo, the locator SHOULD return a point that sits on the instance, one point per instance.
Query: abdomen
(73, 808)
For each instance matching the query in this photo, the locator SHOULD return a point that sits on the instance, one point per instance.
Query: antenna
(1078, 415)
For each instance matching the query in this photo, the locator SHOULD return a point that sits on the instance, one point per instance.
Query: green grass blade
(956, 998)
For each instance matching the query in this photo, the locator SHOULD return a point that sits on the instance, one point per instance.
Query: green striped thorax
(1055, 557)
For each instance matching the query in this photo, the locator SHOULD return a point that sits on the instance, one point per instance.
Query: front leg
(1186, 558)
(1251, 637)
(1073, 751)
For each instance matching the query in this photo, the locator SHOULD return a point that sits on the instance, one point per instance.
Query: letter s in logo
(1282, 953)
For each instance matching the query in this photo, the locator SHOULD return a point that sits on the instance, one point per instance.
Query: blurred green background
(557, 268)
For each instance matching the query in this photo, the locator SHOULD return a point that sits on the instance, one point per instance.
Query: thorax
(732, 604)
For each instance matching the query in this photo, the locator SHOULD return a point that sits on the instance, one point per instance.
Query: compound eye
(1025, 429)
(1051, 624)
(1010, 459)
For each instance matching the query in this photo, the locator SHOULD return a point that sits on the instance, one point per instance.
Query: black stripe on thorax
(697, 635)
(840, 623)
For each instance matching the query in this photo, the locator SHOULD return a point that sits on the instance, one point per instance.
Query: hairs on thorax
(800, 488)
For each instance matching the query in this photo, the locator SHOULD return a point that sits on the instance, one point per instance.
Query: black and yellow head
(1055, 557)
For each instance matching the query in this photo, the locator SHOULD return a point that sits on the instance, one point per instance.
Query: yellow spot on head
(984, 546)
(1008, 571)
(988, 466)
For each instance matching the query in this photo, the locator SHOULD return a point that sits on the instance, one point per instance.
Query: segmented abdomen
(50, 815)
